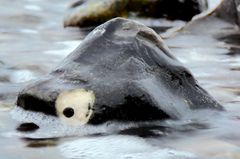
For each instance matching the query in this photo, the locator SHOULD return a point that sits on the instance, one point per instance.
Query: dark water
(33, 41)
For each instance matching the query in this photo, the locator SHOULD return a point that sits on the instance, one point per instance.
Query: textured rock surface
(130, 70)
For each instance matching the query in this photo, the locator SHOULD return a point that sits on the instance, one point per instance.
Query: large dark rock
(94, 12)
(125, 72)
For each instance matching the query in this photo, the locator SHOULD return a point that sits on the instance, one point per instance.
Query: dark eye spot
(68, 112)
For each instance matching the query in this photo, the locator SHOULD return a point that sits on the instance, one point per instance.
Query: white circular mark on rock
(74, 107)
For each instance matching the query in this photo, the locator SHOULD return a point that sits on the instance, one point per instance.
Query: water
(33, 41)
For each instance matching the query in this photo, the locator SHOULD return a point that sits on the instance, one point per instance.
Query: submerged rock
(121, 71)
(227, 11)
(94, 12)
(222, 22)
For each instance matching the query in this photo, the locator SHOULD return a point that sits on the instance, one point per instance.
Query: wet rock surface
(132, 73)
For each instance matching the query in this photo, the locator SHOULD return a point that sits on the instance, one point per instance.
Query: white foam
(20, 76)
(29, 31)
(225, 126)
(52, 127)
(33, 7)
(70, 46)
(213, 4)
(118, 146)
(40, 119)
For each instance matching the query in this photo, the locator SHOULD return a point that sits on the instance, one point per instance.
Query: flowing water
(33, 41)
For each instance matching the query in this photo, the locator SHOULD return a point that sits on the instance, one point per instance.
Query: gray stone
(132, 73)
(87, 13)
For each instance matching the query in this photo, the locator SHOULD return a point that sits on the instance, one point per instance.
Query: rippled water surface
(33, 41)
